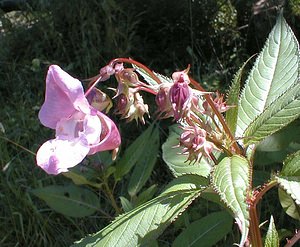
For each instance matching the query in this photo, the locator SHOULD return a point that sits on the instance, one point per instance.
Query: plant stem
(111, 198)
(293, 240)
(255, 235)
(218, 114)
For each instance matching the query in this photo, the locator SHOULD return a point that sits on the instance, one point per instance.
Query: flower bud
(180, 94)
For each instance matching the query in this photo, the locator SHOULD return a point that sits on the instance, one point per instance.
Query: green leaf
(144, 164)
(272, 239)
(233, 98)
(177, 161)
(289, 181)
(146, 222)
(292, 186)
(80, 179)
(146, 195)
(205, 232)
(126, 205)
(281, 139)
(133, 153)
(69, 200)
(275, 73)
(288, 204)
(276, 116)
(291, 165)
(230, 179)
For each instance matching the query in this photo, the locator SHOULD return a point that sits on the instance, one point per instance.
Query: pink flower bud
(180, 94)
(194, 143)
(163, 102)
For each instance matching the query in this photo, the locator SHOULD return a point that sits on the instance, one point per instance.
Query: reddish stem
(293, 240)
(218, 114)
(128, 60)
(255, 235)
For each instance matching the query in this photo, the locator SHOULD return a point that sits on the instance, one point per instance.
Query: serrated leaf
(69, 200)
(292, 186)
(233, 98)
(144, 164)
(289, 177)
(288, 204)
(272, 239)
(274, 73)
(133, 153)
(276, 116)
(177, 161)
(281, 139)
(230, 179)
(205, 232)
(147, 221)
(291, 165)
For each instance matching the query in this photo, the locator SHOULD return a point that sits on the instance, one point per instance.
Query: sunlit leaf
(69, 200)
(288, 204)
(272, 239)
(230, 179)
(205, 232)
(233, 98)
(147, 221)
(176, 161)
(270, 99)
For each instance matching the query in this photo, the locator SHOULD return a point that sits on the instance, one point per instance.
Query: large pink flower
(80, 129)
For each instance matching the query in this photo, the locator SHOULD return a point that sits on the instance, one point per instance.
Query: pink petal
(64, 95)
(110, 136)
(56, 156)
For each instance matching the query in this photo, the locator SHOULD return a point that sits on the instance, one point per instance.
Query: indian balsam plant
(211, 150)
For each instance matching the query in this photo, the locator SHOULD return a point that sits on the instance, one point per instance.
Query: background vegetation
(215, 37)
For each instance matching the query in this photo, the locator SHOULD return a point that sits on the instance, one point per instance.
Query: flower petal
(92, 129)
(64, 94)
(110, 136)
(56, 156)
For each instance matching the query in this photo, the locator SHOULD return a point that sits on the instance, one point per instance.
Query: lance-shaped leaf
(233, 98)
(145, 164)
(275, 73)
(205, 232)
(272, 239)
(69, 200)
(147, 221)
(230, 179)
(133, 153)
(288, 204)
(276, 116)
(176, 161)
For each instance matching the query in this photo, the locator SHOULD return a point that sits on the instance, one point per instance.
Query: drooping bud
(219, 103)
(163, 102)
(194, 142)
(180, 94)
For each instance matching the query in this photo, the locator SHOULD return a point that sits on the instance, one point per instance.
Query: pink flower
(80, 129)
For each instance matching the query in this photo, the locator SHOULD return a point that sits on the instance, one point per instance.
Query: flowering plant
(211, 151)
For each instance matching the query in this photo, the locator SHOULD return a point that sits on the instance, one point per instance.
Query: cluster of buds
(174, 98)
